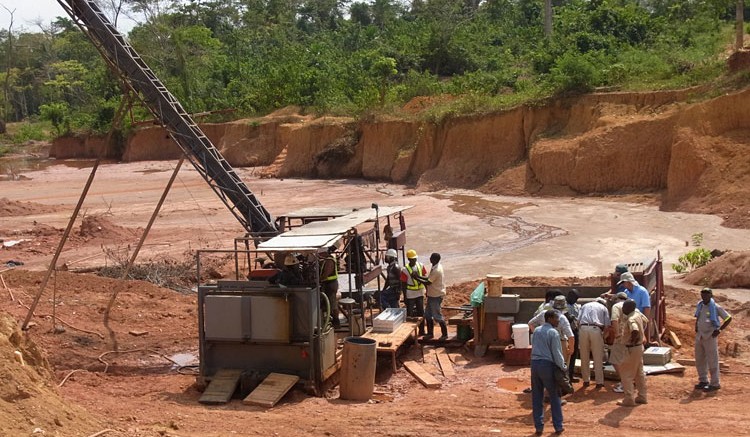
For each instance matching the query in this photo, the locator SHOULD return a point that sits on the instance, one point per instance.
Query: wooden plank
(428, 353)
(445, 364)
(271, 390)
(421, 374)
(675, 340)
(222, 386)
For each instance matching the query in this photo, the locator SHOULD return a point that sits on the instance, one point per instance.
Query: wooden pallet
(222, 387)
(271, 390)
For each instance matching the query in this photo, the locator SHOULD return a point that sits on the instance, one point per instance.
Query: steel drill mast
(199, 150)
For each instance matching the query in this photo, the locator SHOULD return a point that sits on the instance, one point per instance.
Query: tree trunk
(6, 86)
(548, 18)
(739, 42)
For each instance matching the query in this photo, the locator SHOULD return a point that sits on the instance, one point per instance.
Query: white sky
(28, 11)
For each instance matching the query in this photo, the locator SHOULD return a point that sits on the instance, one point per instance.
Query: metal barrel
(358, 368)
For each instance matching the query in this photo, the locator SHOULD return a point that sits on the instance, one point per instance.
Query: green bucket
(464, 332)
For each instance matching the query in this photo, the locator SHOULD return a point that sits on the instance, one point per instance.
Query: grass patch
(24, 131)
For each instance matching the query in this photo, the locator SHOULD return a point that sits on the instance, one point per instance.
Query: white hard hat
(392, 253)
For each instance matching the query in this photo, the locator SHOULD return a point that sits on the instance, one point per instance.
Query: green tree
(57, 114)
(384, 68)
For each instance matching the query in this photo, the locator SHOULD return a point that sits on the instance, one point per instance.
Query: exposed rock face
(697, 155)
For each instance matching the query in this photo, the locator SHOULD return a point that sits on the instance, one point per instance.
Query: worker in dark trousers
(329, 281)
(546, 355)
(435, 294)
(392, 290)
(573, 309)
(414, 275)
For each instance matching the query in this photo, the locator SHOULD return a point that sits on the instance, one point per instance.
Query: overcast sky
(28, 11)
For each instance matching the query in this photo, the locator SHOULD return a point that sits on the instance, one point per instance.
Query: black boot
(430, 329)
(421, 328)
(443, 330)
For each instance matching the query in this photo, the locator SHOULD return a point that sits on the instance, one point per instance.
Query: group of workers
(618, 321)
(414, 282)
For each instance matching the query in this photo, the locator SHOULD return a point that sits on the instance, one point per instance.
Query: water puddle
(514, 385)
(12, 168)
(520, 233)
(185, 359)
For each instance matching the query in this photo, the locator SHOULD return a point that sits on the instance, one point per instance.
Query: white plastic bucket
(521, 336)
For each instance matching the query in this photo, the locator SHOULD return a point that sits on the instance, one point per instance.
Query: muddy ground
(143, 393)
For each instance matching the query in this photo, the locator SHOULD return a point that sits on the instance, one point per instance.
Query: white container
(389, 320)
(657, 356)
(521, 336)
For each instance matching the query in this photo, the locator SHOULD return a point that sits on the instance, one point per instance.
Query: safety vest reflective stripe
(412, 284)
(335, 274)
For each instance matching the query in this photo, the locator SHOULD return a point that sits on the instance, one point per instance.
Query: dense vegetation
(350, 57)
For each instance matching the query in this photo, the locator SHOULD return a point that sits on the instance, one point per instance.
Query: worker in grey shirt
(559, 305)
(710, 320)
(546, 357)
(593, 320)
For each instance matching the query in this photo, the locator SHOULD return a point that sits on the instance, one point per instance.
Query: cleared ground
(142, 394)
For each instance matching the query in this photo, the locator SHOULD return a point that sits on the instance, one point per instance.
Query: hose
(327, 312)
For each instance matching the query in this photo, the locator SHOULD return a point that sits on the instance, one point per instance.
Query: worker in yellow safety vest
(329, 280)
(414, 275)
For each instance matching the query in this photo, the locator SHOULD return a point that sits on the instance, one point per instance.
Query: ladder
(196, 146)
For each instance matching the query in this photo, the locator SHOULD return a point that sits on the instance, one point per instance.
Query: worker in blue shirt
(637, 292)
(546, 355)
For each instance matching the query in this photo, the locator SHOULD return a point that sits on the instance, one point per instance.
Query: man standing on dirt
(547, 304)
(546, 357)
(414, 275)
(560, 306)
(435, 294)
(391, 293)
(329, 281)
(710, 320)
(636, 292)
(572, 315)
(631, 362)
(616, 349)
(593, 319)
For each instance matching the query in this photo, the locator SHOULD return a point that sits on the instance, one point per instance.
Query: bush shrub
(692, 260)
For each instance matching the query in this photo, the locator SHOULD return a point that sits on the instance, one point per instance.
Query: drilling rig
(249, 327)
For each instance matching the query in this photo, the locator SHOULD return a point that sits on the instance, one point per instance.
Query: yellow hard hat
(411, 254)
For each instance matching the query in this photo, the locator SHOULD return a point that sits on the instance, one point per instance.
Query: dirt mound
(99, 226)
(731, 270)
(31, 404)
(711, 174)
(739, 60)
(13, 208)
(43, 230)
